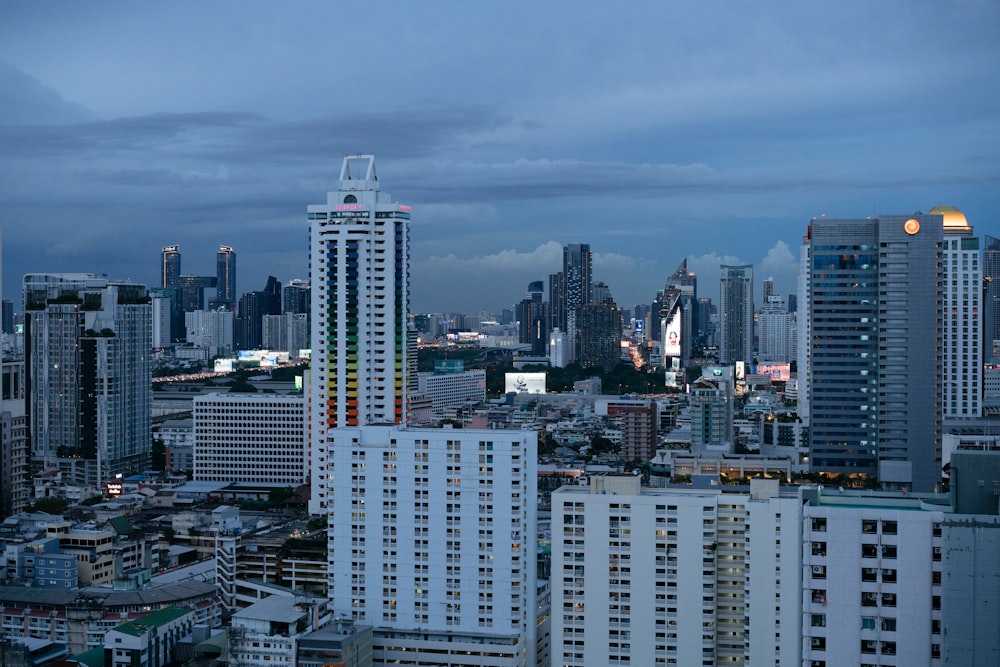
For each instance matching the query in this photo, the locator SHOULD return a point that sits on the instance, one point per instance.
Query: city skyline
(716, 143)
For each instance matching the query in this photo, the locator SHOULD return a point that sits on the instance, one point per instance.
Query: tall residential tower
(87, 362)
(736, 314)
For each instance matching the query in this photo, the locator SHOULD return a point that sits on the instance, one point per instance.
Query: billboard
(223, 365)
(524, 383)
(779, 372)
(449, 366)
(672, 335)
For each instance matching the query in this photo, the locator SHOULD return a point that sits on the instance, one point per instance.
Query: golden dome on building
(953, 218)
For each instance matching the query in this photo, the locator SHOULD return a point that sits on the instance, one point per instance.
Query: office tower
(707, 312)
(575, 285)
(87, 344)
(162, 322)
(8, 316)
(395, 496)
(225, 276)
(559, 348)
(267, 449)
(557, 309)
(248, 327)
(600, 326)
(274, 332)
(712, 412)
(212, 330)
(599, 292)
(272, 292)
(873, 290)
(644, 576)
(768, 289)
(775, 332)
(170, 266)
(793, 303)
(675, 313)
(736, 314)
(173, 296)
(532, 328)
(193, 291)
(991, 294)
(297, 333)
(295, 297)
(962, 384)
(361, 277)
(578, 272)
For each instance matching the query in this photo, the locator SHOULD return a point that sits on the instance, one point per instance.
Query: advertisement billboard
(524, 383)
(779, 372)
(672, 336)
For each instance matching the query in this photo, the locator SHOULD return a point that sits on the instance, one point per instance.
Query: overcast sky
(652, 131)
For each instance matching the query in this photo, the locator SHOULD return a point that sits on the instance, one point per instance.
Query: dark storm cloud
(712, 130)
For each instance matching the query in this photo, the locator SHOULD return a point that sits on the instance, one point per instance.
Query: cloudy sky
(654, 131)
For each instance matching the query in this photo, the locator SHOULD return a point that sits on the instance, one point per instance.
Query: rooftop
(157, 619)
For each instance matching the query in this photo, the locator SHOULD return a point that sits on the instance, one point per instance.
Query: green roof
(121, 525)
(157, 619)
(92, 658)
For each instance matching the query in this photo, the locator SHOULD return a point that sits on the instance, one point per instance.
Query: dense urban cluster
(311, 474)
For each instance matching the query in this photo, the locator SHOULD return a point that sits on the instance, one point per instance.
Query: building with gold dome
(962, 332)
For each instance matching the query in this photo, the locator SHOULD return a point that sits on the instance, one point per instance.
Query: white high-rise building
(963, 288)
(773, 345)
(646, 576)
(210, 329)
(88, 374)
(432, 541)
(431, 532)
(250, 439)
(360, 282)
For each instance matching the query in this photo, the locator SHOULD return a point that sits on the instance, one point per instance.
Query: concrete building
(736, 314)
(712, 413)
(81, 618)
(775, 343)
(432, 541)
(268, 632)
(257, 439)
(88, 375)
(341, 642)
(211, 330)
(873, 289)
(149, 641)
(663, 577)
(962, 385)
(452, 390)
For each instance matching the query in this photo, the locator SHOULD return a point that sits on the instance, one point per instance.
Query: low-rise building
(148, 641)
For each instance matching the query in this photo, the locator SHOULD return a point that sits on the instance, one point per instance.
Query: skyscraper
(395, 495)
(675, 313)
(774, 345)
(170, 266)
(87, 365)
(991, 294)
(576, 283)
(225, 276)
(873, 293)
(600, 335)
(532, 319)
(361, 278)
(736, 314)
(962, 383)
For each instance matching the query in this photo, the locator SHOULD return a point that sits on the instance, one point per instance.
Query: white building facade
(255, 439)
(449, 390)
(432, 541)
(210, 329)
(655, 577)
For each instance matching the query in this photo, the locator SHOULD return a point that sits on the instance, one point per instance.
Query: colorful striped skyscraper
(360, 299)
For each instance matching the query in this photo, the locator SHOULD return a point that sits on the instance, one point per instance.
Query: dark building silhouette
(532, 320)
(225, 277)
(193, 291)
(600, 335)
(170, 266)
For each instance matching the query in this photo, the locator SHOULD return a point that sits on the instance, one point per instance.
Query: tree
(601, 445)
(51, 505)
(279, 495)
